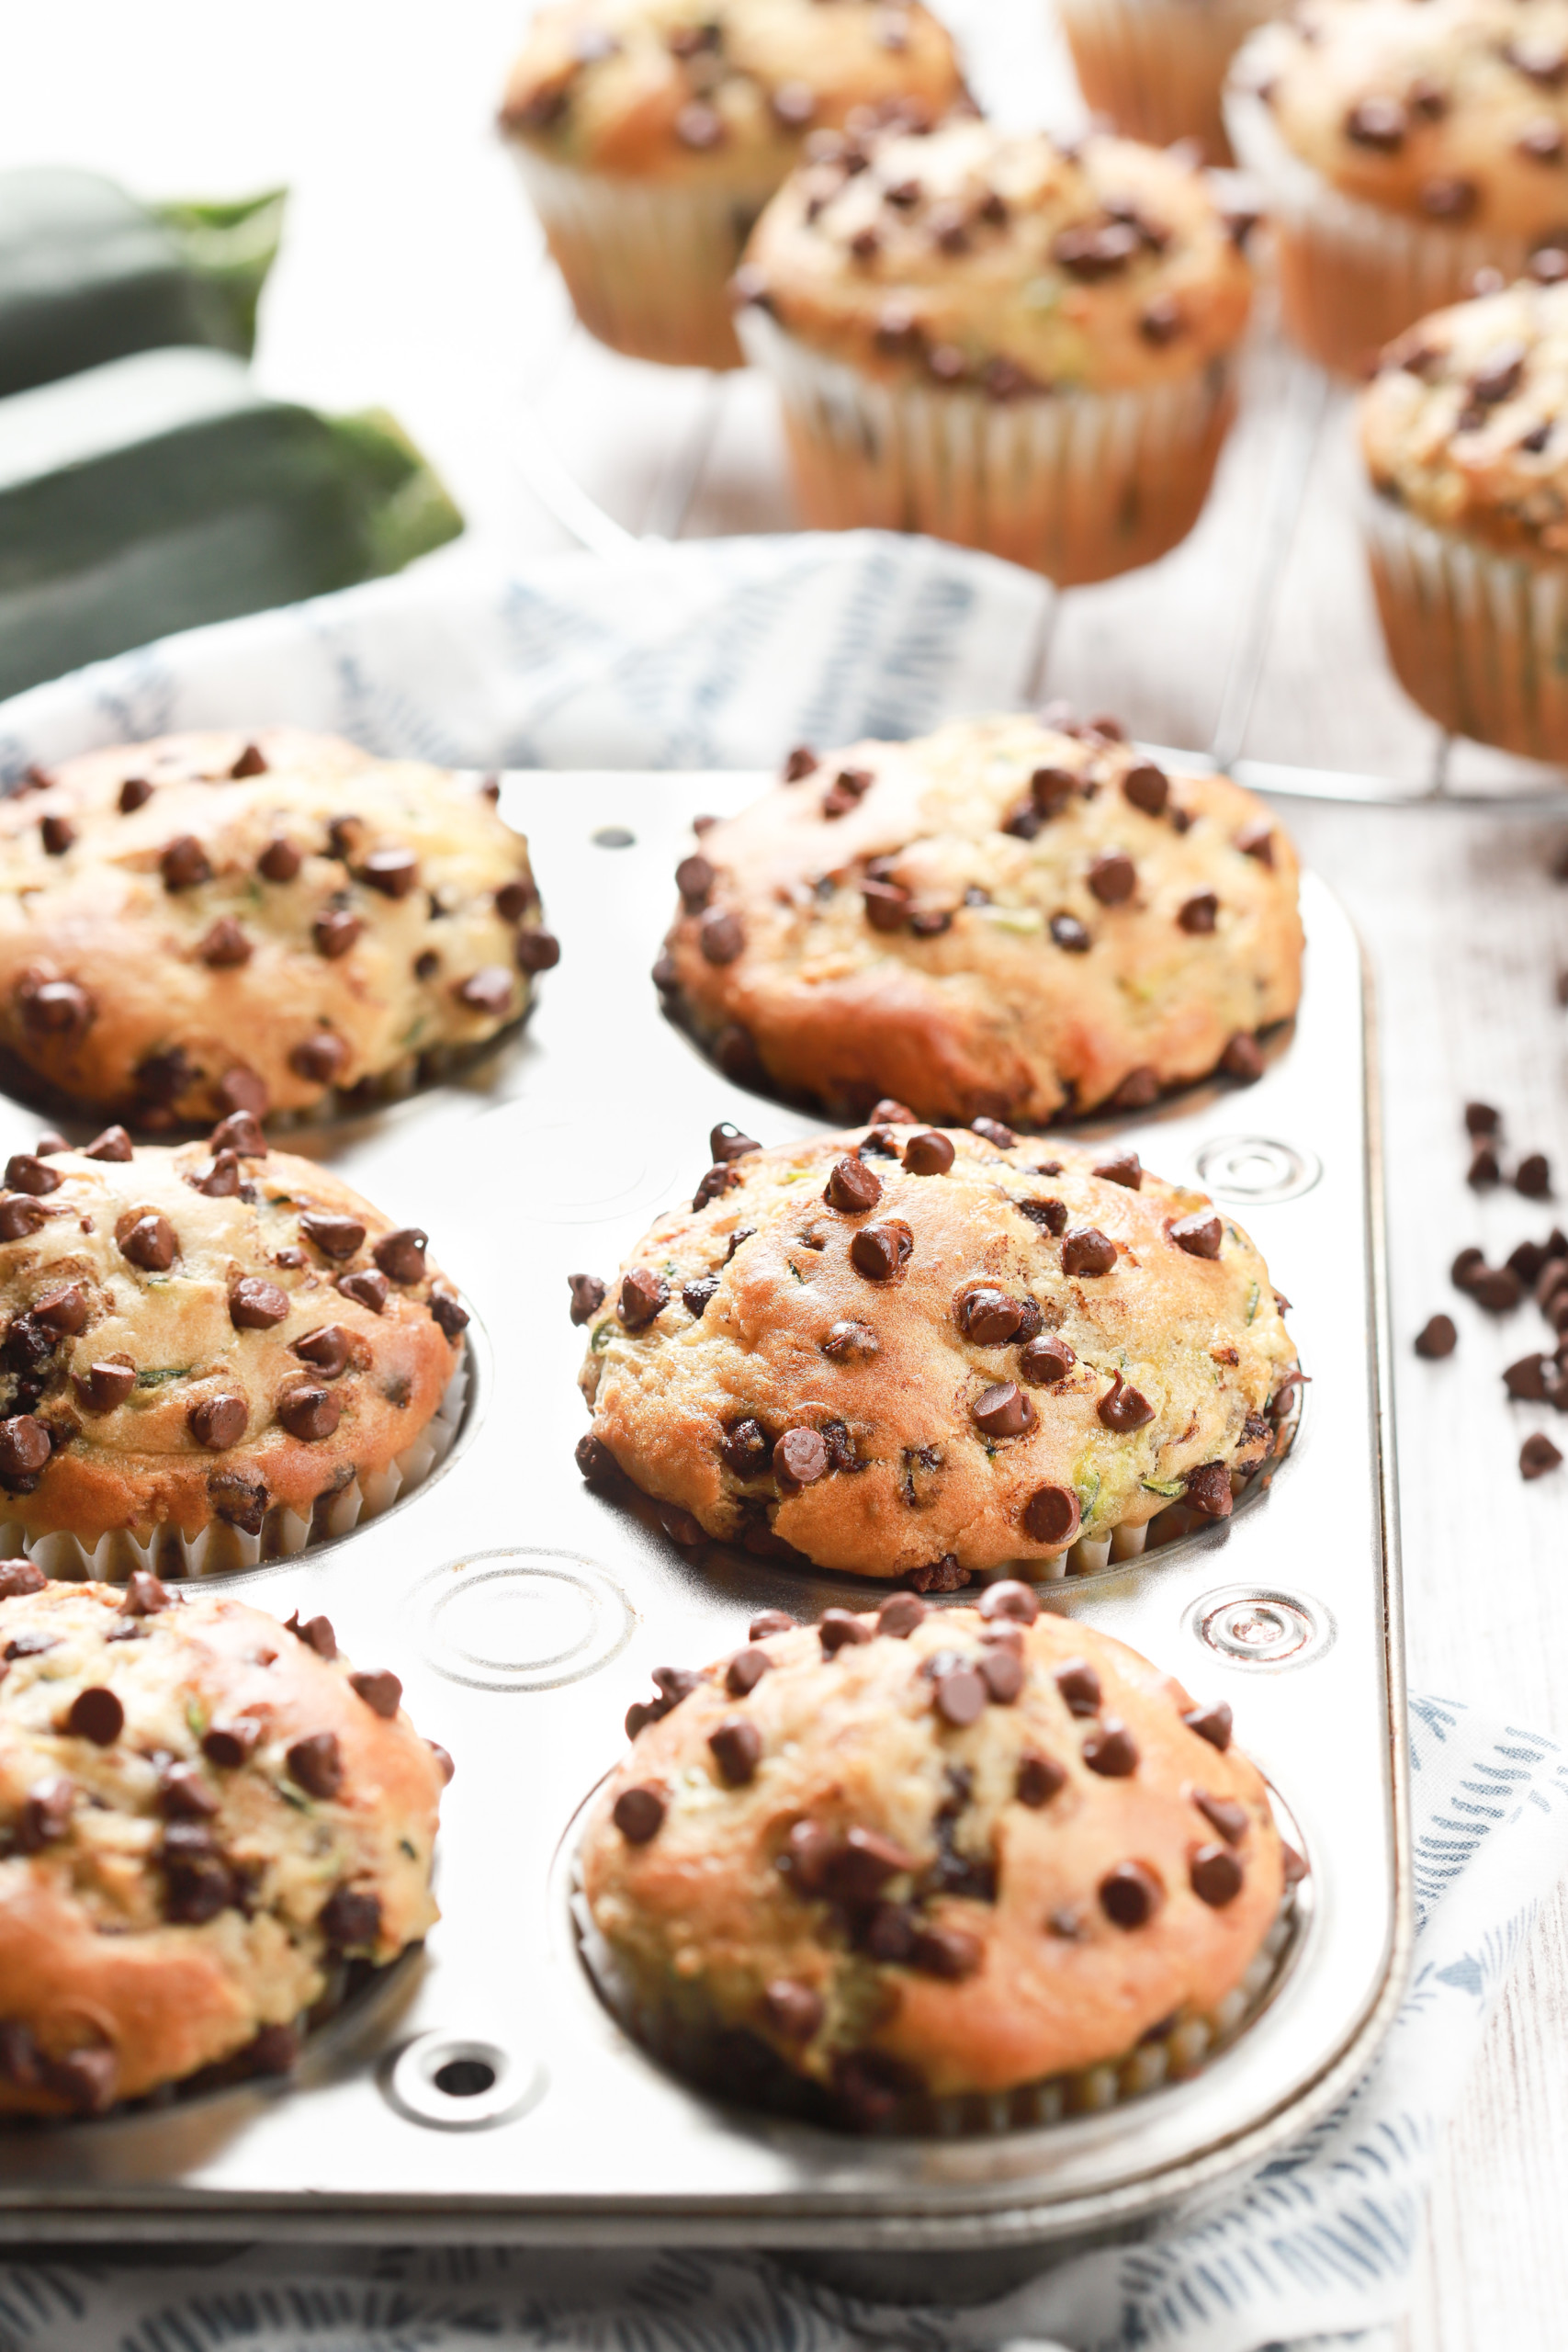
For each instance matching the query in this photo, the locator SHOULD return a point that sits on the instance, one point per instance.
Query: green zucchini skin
(165, 490)
(87, 274)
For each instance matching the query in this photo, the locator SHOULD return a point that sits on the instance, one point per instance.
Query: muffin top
(200, 1809)
(921, 1353)
(1001, 259)
(1010, 917)
(956, 1850)
(714, 89)
(205, 1332)
(215, 923)
(1466, 423)
(1453, 111)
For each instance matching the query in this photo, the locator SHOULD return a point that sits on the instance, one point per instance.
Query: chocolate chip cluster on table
(919, 1353)
(195, 1337)
(208, 924)
(673, 89)
(1464, 426)
(1013, 918)
(1448, 111)
(203, 1813)
(928, 1853)
(1000, 259)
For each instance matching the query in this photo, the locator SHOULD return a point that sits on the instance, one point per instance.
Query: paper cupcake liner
(1079, 485)
(1157, 67)
(717, 2063)
(646, 264)
(1352, 275)
(220, 1549)
(1479, 639)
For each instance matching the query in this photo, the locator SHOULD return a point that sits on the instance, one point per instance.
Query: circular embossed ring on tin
(520, 1619)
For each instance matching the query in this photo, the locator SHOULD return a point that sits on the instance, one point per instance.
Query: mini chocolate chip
(1199, 1233)
(251, 762)
(800, 764)
(1002, 1672)
(1498, 1289)
(720, 936)
(18, 1577)
(588, 1296)
(1070, 934)
(400, 1255)
(218, 1179)
(1534, 1177)
(19, 1216)
(1086, 1251)
(488, 990)
(391, 871)
(1242, 1058)
(886, 904)
(1525, 1379)
(113, 1144)
(279, 862)
(240, 1132)
(257, 1306)
(1438, 1337)
(336, 930)
(104, 1386)
(638, 1813)
(134, 794)
(1537, 1455)
(993, 1131)
(381, 1691)
(310, 1414)
(841, 1629)
(961, 1694)
(1038, 1779)
(1147, 788)
(1123, 1408)
(1228, 1817)
(950, 1954)
(745, 1671)
(1256, 840)
(793, 2011)
(57, 1008)
(24, 1173)
(149, 1244)
(316, 1764)
(644, 1295)
(987, 1317)
(62, 1310)
(184, 864)
(538, 951)
(1480, 1119)
(223, 946)
(1130, 1894)
(800, 1459)
(185, 1795)
(95, 1714)
(929, 1154)
(45, 1815)
(737, 1747)
(1002, 1410)
(1112, 877)
(1045, 1361)
(1124, 1167)
(218, 1421)
(1212, 1723)
(1200, 913)
(1052, 788)
(367, 1288)
(881, 1252)
(350, 1918)
(846, 1340)
(899, 1616)
(1209, 1490)
(145, 1596)
(769, 1622)
(1215, 1876)
(226, 1745)
(696, 1296)
(853, 1187)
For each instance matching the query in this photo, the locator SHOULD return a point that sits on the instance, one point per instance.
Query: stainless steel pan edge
(518, 1171)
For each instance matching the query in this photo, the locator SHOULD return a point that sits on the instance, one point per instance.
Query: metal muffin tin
(481, 2091)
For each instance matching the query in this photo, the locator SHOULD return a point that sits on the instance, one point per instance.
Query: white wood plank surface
(413, 277)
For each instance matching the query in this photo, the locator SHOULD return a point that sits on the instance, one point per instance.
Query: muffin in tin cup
(210, 1825)
(651, 133)
(1019, 346)
(1157, 68)
(212, 1355)
(1464, 436)
(213, 922)
(1402, 146)
(923, 1354)
(933, 1872)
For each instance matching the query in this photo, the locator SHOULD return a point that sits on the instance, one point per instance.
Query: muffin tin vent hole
(1254, 1169)
(1264, 1629)
(460, 2083)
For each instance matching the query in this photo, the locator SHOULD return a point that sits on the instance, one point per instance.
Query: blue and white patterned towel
(721, 656)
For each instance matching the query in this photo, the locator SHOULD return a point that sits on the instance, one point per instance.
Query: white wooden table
(413, 277)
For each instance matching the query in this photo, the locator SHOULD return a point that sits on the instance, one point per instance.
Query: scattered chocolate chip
(898, 1616)
(853, 1187)
(316, 1764)
(888, 905)
(1130, 1894)
(1002, 1672)
(993, 1131)
(45, 1815)
(989, 1318)
(350, 1918)
(846, 1340)
(929, 1154)
(1480, 1119)
(1052, 1214)
(228, 1745)
(488, 991)
(638, 1813)
(24, 1173)
(1497, 1288)
(113, 1144)
(793, 2011)
(769, 1622)
(1242, 1058)
(745, 1671)
(240, 1132)
(960, 1694)
(1051, 1515)
(1379, 123)
(1437, 1337)
(335, 931)
(720, 936)
(1086, 1251)
(1080, 1685)
(251, 762)
(800, 1459)
(697, 1296)
(279, 862)
(1446, 197)
(310, 1414)
(1212, 1723)
(1147, 788)
(1200, 913)
(19, 1216)
(1002, 1410)
(57, 1008)
(256, 1304)
(1536, 1456)
(1216, 1875)
(881, 1252)
(400, 1255)
(1045, 1361)
(800, 764)
(1199, 1233)
(57, 834)
(1124, 1167)
(841, 1629)
(1037, 1779)
(218, 1179)
(134, 793)
(368, 1288)
(1112, 877)
(218, 1421)
(737, 1747)
(223, 946)
(104, 1386)
(1228, 1817)
(1070, 934)
(149, 1244)
(950, 1954)
(1527, 1379)
(18, 1577)
(588, 1296)
(1534, 1177)
(644, 1295)
(393, 872)
(1256, 841)
(184, 864)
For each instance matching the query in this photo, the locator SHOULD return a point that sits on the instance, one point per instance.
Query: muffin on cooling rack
(1156, 68)
(1012, 917)
(889, 1862)
(921, 1354)
(204, 1813)
(650, 134)
(210, 922)
(1465, 435)
(1402, 146)
(209, 1355)
(992, 338)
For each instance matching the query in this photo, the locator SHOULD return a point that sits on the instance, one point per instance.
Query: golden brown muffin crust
(969, 1855)
(1003, 918)
(199, 1809)
(212, 922)
(952, 1371)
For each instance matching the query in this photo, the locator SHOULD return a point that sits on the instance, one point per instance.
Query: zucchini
(165, 490)
(87, 275)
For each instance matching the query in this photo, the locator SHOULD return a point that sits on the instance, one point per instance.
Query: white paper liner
(1478, 638)
(1353, 275)
(1156, 67)
(1189, 2042)
(646, 264)
(1080, 485)
(220, 1549)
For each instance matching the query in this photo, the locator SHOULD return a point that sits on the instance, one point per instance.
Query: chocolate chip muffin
(921, 1355)
(210, 1354)
(1403, 145)
(1012, 917)
(651, 133)
(1464, 435)
(996, 339)
(889, 1861)
(203, 1815)
(210, 922)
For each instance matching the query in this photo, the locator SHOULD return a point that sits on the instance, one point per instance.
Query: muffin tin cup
(646, 263)
(1352, 275)
(1080, 485)
(1156, 67)
(1475, 636)
(220, 1548)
